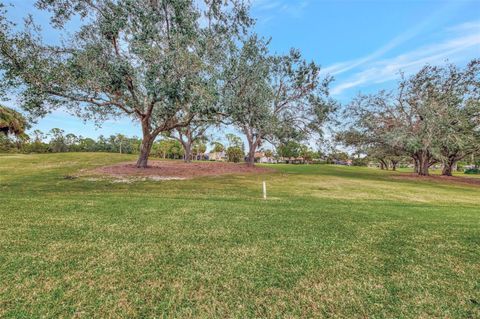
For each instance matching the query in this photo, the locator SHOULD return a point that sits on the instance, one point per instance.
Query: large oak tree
(454, 100)
(433, 116)
(148, 59)
(274, 97)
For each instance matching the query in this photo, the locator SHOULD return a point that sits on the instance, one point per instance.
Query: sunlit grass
(329, 242)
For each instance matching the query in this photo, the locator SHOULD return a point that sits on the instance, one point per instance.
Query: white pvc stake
(264, 190)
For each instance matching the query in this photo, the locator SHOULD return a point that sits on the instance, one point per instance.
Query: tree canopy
(274, 97)
(433, 116)
(12, 122)
(154, 60)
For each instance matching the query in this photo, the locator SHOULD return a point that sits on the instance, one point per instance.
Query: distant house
(217, 156)
(292, 160)
(346, 163)
(260, 157)
(201, 156)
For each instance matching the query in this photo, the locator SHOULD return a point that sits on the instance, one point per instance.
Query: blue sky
(363, 44)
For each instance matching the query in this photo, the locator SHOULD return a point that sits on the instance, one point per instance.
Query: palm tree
(12, 122)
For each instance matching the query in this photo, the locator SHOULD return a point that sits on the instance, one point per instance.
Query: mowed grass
(330, 241)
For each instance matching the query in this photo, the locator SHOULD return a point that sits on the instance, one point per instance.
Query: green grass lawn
(329, 242)
(439, 172)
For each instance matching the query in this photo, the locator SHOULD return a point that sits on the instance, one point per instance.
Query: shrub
(360, 161)
(472, 171)
(234, 154)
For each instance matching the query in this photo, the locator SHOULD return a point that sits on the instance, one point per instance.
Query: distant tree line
(57, 141)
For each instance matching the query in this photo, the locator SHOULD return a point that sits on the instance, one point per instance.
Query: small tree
(188, 136)
(168, 148)
(217, 147)
(57, 141)
(37, 144)
(121, 141)
(289, 149)
(234, 154)
(306, 153)
(87, 145)
(235, 141)
(199, 148)
(71, 142)
(235, 150)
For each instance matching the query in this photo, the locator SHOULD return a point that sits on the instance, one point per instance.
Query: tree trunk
(145, 149)
(383, 165)
(251, 154)
(423, 164)
(423, 169)
(253, 143)
(187, 149)
(448, 166)
(394, 165)
(447, 169)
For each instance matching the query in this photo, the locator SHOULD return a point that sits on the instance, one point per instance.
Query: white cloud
(266, 4)
(279, 7)
(467, 26)
(462, 43)
(426, 23)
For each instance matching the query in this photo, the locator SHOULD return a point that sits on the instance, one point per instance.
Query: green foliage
(234, 140)
(199, 147)
(433, 116)
(337, 155)
(155, 61)
(294, 149)
(168, 148)
(268, 153)
(472, 171)
(217, 147)
(6, 144)
(289, 149)
(12, 122)
(357, 161)
(235, 154)
(306, 153)
(274, 98)
(56, 141)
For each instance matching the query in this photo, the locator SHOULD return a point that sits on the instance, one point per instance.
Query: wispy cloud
(268, 9)
(345, 66)
(462, 42)
(466, 26)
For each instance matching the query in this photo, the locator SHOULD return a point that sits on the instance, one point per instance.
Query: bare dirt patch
(163, 170)
(440, 179)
